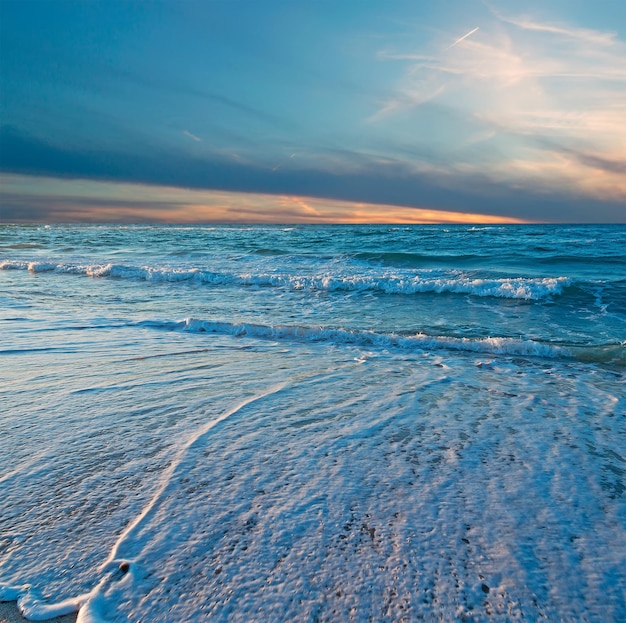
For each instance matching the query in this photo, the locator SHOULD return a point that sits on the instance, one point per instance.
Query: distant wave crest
(403, 283)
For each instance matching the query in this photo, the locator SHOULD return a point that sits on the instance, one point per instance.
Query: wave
(404, 283)
(607, 353)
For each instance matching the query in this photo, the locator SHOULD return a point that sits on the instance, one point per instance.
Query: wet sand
(10, 614)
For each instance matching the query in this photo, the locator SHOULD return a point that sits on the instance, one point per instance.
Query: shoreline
(9, 613)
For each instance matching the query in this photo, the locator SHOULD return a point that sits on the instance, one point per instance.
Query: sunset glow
(65, 201)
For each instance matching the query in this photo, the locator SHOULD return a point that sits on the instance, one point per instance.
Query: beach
(332, 424)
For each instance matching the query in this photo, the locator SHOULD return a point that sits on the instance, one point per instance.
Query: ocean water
(333, 423)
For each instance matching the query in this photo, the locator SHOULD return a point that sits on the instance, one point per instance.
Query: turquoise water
(314, 423)
(552, 285)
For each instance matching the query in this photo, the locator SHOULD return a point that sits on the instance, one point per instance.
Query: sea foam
(403, 282)
(367, 339)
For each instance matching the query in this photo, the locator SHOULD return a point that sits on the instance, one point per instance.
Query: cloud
(31, 199)
(580, 35)
(365, 179)
(550, 97)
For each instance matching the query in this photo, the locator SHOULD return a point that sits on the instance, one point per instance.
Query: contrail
(465, 36)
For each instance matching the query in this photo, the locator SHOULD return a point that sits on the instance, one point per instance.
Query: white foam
(297, 449)
(41, 267)
(35, 608)
(369, 487)
(366, 339)
(404, 282)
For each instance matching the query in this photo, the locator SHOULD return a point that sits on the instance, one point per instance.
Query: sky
(294, 111)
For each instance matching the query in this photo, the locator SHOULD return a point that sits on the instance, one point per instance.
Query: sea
(313, 423)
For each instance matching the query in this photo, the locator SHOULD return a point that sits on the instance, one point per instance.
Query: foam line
(93, 604)
(167, 476)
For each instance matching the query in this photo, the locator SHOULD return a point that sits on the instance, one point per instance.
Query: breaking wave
(404, 283)
(606, 353)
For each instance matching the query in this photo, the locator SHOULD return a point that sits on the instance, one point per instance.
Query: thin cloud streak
(583, 35)
(406, 101)
(193, 137)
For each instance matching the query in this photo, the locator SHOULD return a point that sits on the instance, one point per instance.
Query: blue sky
(316, 111)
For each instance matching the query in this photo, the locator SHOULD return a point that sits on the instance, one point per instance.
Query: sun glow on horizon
(54, 200)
